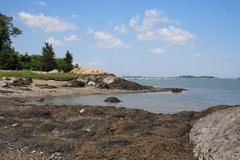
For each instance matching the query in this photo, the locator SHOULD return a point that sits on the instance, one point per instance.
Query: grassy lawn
(25, 73)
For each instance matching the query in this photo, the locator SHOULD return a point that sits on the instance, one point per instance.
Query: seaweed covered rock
(112, 100)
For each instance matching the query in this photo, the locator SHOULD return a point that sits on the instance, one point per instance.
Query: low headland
(32, 131)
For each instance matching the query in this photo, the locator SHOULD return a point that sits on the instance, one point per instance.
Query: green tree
(68, 62)
(8, 58)
(48, 59)
(36, 62)
(7, 29)
(60, 64)
(25, 61)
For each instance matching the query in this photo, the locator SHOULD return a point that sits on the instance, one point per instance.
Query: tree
(8, 58)
(36, 62)
(25, 61)
(60, 64)
(48, 59)
(7, 29)
(68, 62)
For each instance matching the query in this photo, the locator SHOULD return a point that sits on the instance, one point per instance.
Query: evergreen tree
(48, 58)
(68, 62)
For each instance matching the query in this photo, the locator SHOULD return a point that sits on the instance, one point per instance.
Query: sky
(139, 37)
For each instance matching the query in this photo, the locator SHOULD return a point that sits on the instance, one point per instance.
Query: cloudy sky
(147, 37)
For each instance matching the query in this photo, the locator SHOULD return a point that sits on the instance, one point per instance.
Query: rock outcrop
(216, 136)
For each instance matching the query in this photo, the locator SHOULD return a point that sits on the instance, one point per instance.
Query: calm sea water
(201, 94)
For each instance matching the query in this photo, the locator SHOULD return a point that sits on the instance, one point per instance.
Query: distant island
(183, 76)
(190, 76)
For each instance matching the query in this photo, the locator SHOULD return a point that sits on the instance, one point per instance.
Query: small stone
(82, 110)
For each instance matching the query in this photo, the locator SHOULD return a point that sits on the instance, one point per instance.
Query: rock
(120, 83)
(91, 78)
(76, 83)
(28, 80)
(55, 71)
(109, 79)
(22, 81)
(112, 100)
(91, 83)
(177, 90)
(102, 85)
(6, 85)
(46, 86)
(216, 136)
(82, 110)
(5, 91)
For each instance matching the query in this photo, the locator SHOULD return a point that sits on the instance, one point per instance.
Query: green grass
(25, 73)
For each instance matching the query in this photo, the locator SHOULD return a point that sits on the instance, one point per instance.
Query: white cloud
(147, 35)
(71, 38)
(156, 50)
(175, 35)
(42, 3)
(151, 17)
(133, 23)
(55, 42)
(151, 27)
(47, 23)
(121, 29)
(107, 40)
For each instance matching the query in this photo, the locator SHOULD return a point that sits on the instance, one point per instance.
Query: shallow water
(201, 94)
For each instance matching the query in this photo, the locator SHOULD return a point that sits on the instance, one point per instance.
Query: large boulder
(112, 100)
(109, 79)
(55, 71)
(120, 83)
(75, 83)
(91, 78)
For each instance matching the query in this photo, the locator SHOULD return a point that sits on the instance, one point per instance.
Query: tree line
(12, 60)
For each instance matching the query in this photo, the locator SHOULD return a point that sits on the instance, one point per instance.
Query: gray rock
(112, 100)
(92, 78)
(91, 83)
(76, 83)
(216, 136)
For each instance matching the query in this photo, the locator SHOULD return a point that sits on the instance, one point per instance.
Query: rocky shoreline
(87, 85)
(33, 131)
(94, 132)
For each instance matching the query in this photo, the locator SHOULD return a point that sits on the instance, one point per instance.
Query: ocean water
(200, 94)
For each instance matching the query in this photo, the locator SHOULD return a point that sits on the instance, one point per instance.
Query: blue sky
(137, 37)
